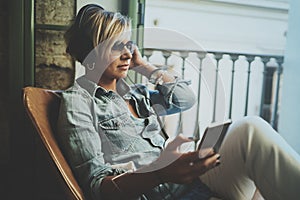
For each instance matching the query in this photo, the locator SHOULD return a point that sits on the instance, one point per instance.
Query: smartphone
(214, 135)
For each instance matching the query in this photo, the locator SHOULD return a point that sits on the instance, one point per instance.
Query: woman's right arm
(172, 166)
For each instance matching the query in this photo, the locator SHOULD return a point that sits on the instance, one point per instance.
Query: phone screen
(213, 136)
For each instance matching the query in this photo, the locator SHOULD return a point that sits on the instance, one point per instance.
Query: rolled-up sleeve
(80, 143)
(173, 97)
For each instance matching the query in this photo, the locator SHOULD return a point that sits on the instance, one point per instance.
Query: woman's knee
(249, 130)
(250, 124)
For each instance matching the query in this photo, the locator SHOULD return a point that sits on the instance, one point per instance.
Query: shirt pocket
(119, 134)
(152, 133)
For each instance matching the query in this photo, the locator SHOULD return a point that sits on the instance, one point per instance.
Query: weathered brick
(54, 68)
(53, 77)
(50, 48)
(58, 12)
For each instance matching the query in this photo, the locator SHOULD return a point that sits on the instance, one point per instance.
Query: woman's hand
(139, 65)
(173, 166)
(137, 59)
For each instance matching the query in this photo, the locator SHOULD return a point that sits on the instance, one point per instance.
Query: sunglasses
(119, 46)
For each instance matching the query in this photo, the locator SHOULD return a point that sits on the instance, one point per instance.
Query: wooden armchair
(42, 107)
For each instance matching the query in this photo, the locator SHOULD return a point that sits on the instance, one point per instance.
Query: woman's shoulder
(76, 94)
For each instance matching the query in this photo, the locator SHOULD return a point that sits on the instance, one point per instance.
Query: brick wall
(54, 69)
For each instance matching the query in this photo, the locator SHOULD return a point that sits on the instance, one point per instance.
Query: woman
(110, 133)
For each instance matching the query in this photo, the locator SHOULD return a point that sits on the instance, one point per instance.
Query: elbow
(188, 102)
(183, 103)
(184, 97)
(191, 102)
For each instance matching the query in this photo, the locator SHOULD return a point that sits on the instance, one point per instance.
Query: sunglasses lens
(120, 46)
(130, 46)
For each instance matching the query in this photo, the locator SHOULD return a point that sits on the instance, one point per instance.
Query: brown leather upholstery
(42, 107)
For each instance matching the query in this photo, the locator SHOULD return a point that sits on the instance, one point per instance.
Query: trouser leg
(254, 155)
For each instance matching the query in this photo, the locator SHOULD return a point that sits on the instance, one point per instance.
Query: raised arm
(171, 94)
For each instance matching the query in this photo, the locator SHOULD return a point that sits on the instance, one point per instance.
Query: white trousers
(254, 155)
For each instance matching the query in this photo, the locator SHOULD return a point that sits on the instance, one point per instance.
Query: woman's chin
(124, 74)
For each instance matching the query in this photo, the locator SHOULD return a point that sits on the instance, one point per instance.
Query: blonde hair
(93, 26)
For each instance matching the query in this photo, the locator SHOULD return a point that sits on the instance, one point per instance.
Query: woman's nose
(126, 54)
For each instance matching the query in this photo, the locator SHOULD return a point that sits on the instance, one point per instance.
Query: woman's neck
(108, 84)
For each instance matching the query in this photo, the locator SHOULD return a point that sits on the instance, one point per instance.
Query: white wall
(289, 110)
(257, 27)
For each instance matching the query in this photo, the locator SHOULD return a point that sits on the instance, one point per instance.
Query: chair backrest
(42, 107)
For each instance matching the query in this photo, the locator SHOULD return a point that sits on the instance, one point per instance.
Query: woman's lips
(124, 67)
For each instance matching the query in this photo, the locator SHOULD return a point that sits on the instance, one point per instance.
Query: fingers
(212, 161)
(179, 140)
(196, 168)
(136, 52)
(185, 167)
(199, 164)
(136, 49)
(195, 156)
(203, 153)
(137, 60)
(204, 165)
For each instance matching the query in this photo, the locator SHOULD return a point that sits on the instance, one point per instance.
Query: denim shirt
(96, 129)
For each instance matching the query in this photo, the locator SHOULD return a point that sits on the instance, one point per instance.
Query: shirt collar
(122, 87)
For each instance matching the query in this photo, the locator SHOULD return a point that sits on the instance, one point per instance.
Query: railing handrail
(276, 56)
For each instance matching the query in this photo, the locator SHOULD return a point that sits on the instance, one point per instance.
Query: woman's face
(119, 60)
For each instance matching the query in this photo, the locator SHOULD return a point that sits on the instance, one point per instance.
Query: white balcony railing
(227, 85)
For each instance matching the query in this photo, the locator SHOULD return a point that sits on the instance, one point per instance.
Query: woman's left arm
(172, 94)
(172, 97)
